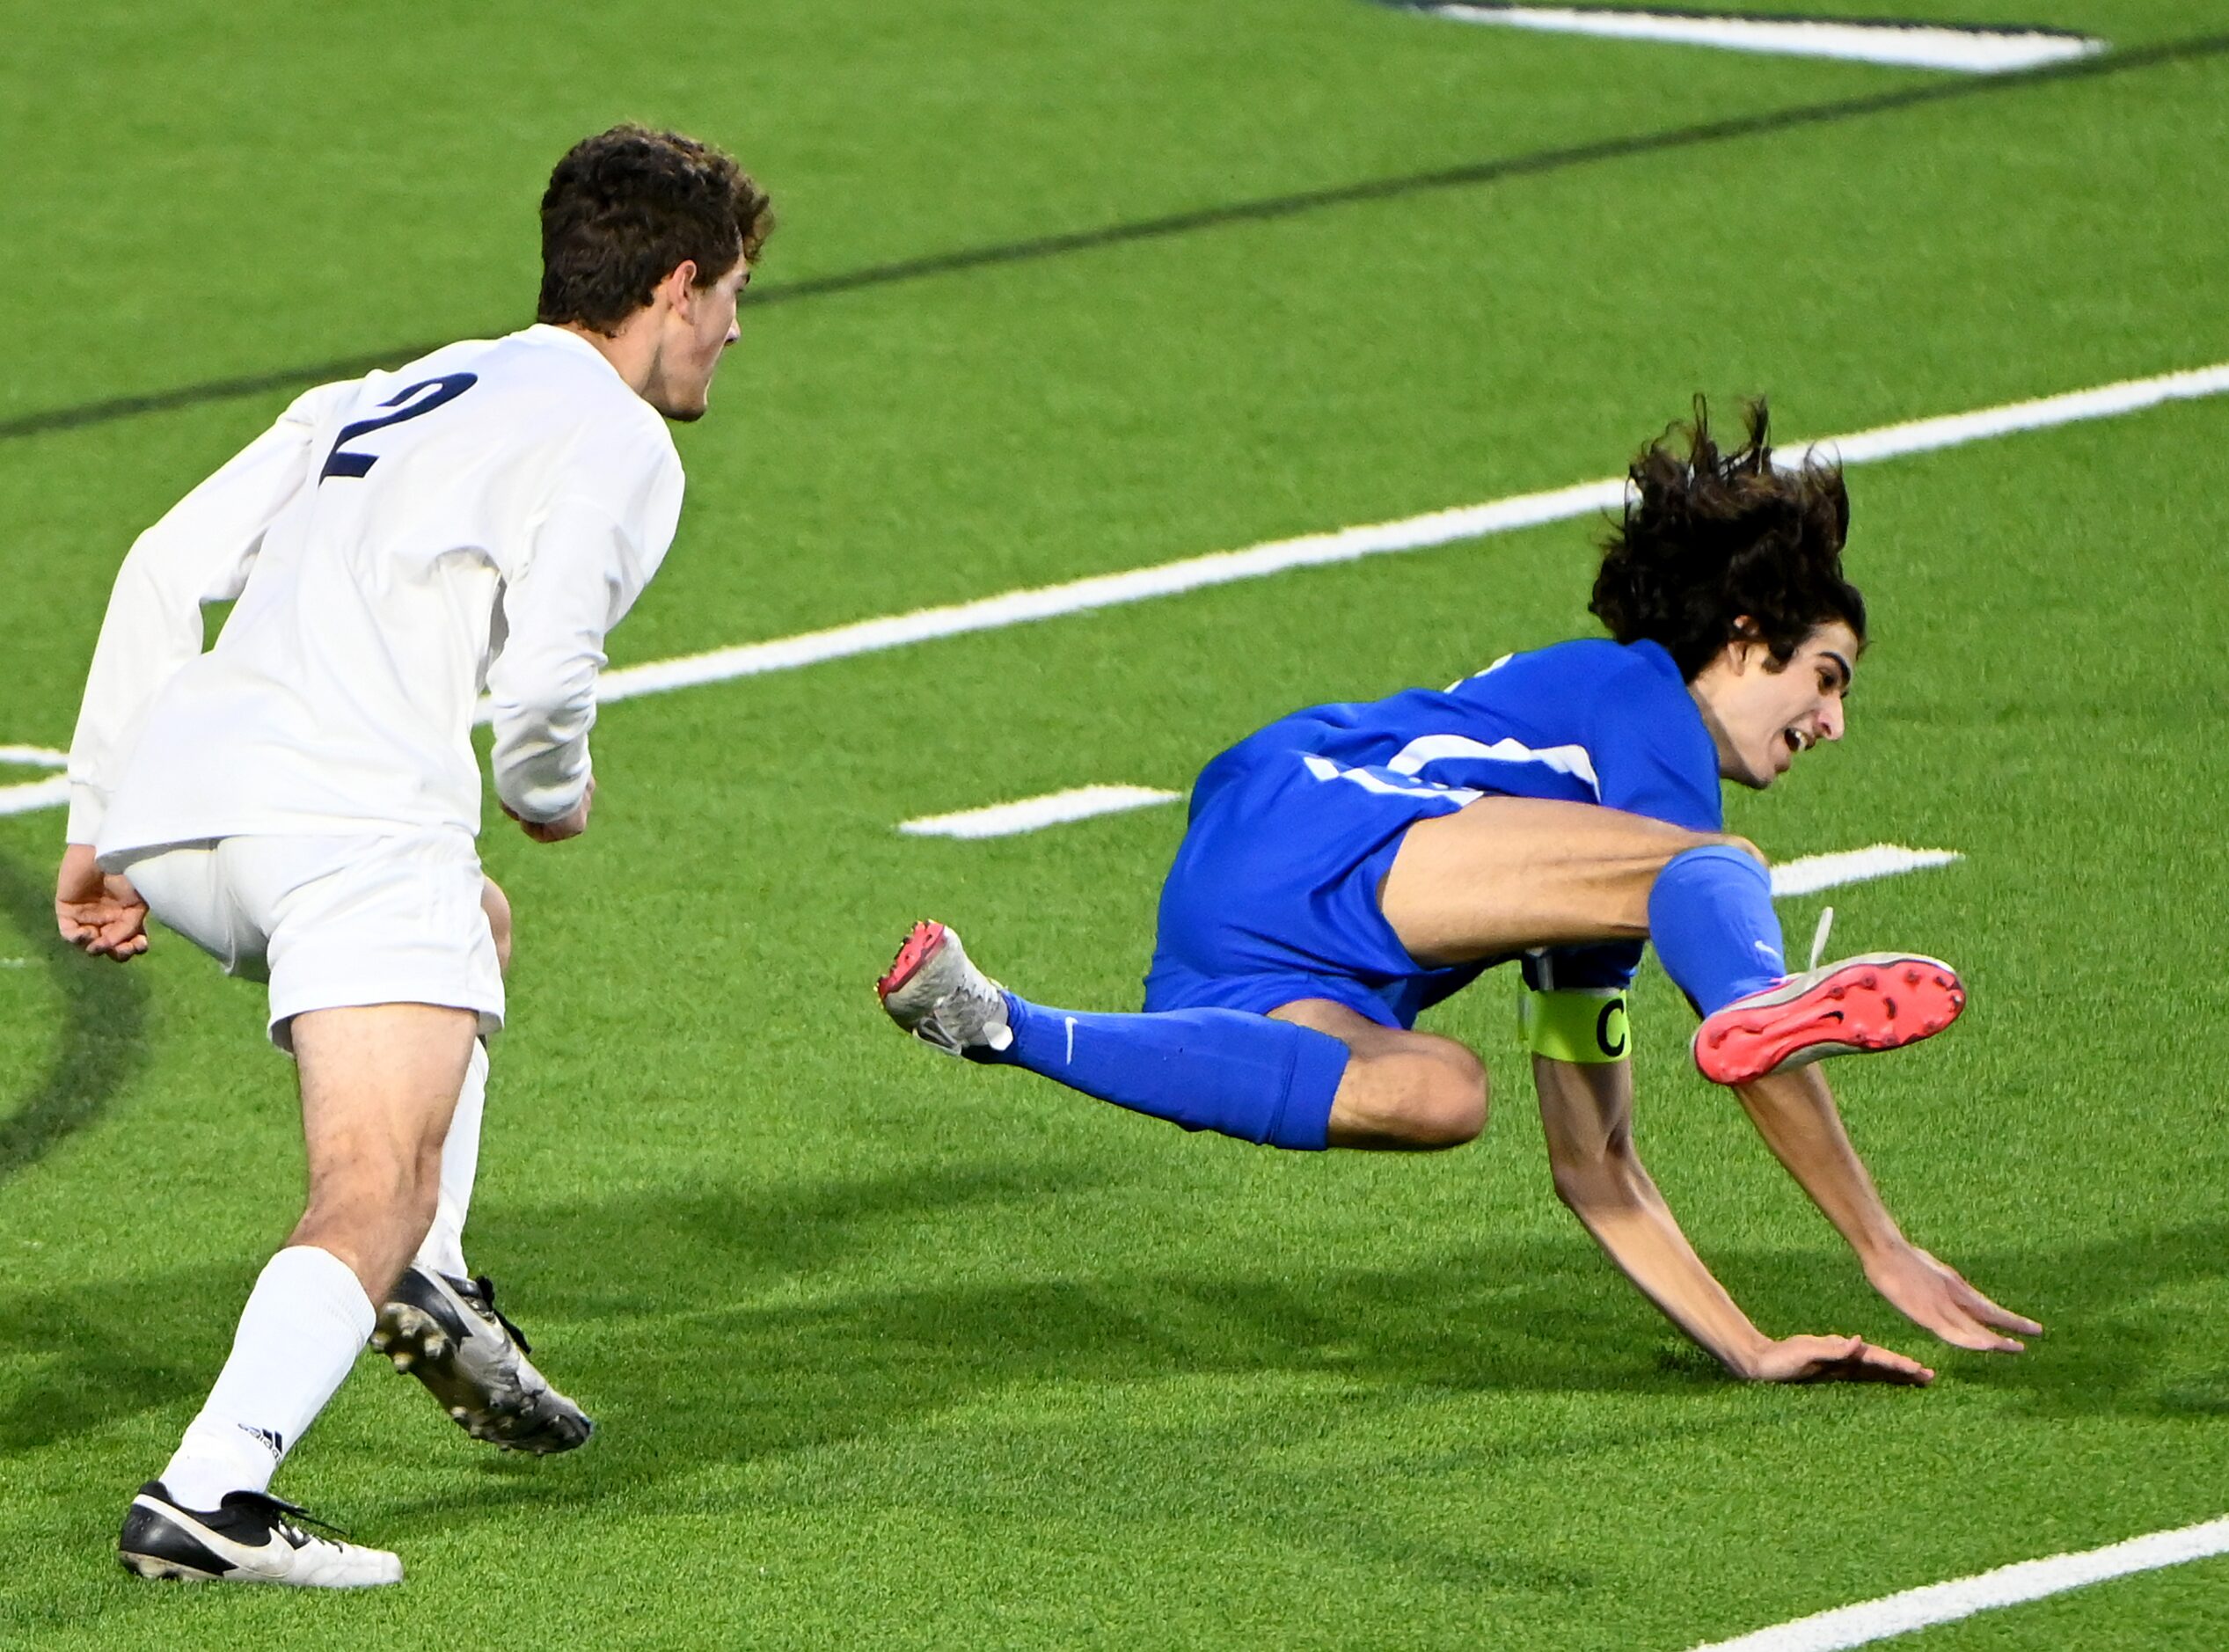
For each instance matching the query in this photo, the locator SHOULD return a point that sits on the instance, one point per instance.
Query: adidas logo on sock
(272, 1440)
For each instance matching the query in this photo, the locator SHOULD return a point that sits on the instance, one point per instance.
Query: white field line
(1109, 590)
(52, 793)
(1348, 544)
(1814, 873)
(1974, 51)
(1034, 814)
(1872, 1620)
(1807, 875)
(1345, 545)
(38, 794)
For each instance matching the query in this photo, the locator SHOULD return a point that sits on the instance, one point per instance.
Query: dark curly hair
(1720, 547)
(626, 208)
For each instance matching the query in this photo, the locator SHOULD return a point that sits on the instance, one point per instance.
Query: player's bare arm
(1586, 1111)
(1795, 1113)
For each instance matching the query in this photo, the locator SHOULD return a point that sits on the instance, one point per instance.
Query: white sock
(305, 1322)
(444, 1250)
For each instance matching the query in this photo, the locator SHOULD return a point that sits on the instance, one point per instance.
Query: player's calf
(372, 1213)
(1402, 1091)
(379, 1087)
(1421, 1100)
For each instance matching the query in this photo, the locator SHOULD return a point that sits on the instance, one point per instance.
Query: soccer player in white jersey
(300, 801)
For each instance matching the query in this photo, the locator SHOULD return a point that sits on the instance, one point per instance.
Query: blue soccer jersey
(1272, 897)
(1586, 722)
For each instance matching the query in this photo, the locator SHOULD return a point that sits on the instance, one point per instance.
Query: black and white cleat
(446, 1334)
(253, 1538)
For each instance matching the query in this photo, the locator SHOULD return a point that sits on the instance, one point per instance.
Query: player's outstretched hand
(564, 826)
(1931, 1294)
(1835, 1359)
(98, 914)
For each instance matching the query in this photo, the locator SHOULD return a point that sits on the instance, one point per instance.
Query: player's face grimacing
(1762, 714)
(698, 328)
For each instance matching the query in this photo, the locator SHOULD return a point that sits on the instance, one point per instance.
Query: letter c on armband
(1586, 1025)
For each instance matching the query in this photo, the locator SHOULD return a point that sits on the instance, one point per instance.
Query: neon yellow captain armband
(1586, 1025)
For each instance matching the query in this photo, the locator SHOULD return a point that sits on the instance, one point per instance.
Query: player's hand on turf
(1931, 1294)
(1835, 1359)
(100, 915)
(564, 826)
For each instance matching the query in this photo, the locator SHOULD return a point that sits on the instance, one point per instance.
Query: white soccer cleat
(447, 1333)
(1876, 1001)
(253, 1538)
(933, 991)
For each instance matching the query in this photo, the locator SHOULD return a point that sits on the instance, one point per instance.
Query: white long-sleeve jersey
(478, 519)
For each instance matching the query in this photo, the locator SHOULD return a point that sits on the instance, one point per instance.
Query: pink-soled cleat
(1876, 1001)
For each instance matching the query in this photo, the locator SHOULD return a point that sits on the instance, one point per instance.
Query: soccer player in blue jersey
(1351, 864)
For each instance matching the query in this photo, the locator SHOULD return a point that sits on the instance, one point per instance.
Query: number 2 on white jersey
(444, 390)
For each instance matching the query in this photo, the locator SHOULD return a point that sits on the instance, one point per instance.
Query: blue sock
(1710, 917)
(1207, 1069)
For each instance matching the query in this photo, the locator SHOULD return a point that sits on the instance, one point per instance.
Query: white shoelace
(1819, 938)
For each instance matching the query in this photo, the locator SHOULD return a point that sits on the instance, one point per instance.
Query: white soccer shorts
(333, 923)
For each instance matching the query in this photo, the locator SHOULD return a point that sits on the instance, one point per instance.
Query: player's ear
(679, 287)
(1745, 649)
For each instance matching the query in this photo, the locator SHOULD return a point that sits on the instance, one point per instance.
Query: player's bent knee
(1747, 848)
(1678, 842)
(1446, 1105)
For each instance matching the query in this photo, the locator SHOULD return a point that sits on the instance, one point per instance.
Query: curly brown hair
(1722, 547)
(626, 207)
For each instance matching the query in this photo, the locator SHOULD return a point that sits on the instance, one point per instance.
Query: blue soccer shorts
(1272, 897)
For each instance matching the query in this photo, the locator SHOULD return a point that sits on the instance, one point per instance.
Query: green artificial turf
(888, 1351)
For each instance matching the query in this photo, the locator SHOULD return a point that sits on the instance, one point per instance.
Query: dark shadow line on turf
(101, 1040)
(1538, 163)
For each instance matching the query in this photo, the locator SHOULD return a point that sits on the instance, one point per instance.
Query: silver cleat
(935, 992)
